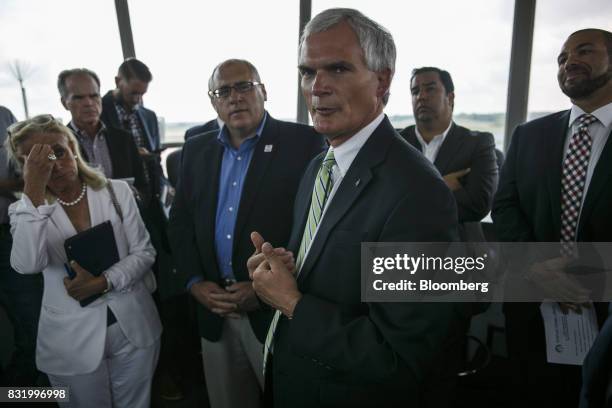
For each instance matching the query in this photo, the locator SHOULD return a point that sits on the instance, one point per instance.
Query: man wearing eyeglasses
(233, 181)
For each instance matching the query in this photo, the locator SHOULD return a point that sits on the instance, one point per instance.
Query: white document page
(568, 336)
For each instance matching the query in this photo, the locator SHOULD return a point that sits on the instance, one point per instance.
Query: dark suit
(266, 206)
(125, 159)
(463, 148)
(147, 117)
(527, 208)
(199, 129)
(597, 370)
(337, 350)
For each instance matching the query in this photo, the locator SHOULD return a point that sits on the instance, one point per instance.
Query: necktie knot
(329, 161)
(585, 120)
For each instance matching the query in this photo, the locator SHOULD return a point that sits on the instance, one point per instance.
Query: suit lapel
(451, 144)
(411, 138)
(353, 184)
(207, 194)
(256, 173)
(115, 153)
(599, 181)
(146, 129)
(302, 203)
(554, 164)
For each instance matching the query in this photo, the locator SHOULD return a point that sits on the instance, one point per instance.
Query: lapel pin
(268, 148)
(357, 182)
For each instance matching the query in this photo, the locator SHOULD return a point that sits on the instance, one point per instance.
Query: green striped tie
(320, 194)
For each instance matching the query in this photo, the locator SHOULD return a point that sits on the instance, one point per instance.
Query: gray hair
(375, 41)
(63, 76)
(251, 67)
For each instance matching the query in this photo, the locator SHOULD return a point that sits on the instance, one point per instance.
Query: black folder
(95, 249)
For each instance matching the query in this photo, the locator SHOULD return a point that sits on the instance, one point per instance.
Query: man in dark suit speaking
(555, 187)
(325, 347)
(234, 181)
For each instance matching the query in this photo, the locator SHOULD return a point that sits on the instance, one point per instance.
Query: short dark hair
(607, 36)
(132, 68)
(445, 77)
(63, 76)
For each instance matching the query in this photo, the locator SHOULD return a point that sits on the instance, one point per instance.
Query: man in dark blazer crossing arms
(324, 346)
(536, 193)
(232, 182)
(465, 158)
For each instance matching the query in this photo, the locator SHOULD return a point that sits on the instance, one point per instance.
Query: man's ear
(451, 99)
(64, 103)
(117, 80)
(263, 90)
(384, 81)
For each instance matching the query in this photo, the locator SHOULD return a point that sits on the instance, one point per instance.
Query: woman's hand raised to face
(37, 172)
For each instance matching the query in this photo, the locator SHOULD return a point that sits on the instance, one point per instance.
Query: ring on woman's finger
(51, 156)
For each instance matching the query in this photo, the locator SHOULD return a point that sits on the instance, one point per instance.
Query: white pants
(123, 378)
(233, 366)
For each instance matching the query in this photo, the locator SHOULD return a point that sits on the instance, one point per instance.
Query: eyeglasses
(240, 87)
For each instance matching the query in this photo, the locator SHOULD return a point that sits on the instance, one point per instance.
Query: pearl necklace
(77, 200)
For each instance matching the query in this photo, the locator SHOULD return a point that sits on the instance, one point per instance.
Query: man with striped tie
(325, 347)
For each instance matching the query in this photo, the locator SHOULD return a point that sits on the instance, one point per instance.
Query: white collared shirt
(431, 149)
(599, 131)
(345, 155)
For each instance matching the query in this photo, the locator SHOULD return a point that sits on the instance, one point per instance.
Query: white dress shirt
(345, 155)
(431, 149)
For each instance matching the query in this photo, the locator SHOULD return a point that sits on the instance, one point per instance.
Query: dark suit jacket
(527, 205)
(596, 370)
(527, 208)
(147, 118)
(266, 206)
(125, 159)
(463, 148)
(199, 129)
(337, 350)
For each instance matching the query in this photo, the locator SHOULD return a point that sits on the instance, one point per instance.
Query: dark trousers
(21, 297)
(534, 381)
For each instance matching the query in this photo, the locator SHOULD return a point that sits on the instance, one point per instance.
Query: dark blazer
(463, 148)
(266, 206)
(199, 129)
(337, 350)
(125, 159)
(527, 208)
(527, 205)
(596, 370)
(147, 117)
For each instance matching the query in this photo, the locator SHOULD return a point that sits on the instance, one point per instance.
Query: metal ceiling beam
(305, 15)
(125, 28)
(520, 66)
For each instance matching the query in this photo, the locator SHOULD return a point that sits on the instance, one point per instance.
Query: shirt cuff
(193, 280)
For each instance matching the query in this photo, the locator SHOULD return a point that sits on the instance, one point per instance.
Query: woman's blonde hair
(19, 132)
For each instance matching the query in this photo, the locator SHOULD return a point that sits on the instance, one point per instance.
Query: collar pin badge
(268, 148)
(357, 182)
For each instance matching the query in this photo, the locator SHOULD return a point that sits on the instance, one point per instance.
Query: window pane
(183, 41)
(471, 40)
(49, 36)
(555, 21)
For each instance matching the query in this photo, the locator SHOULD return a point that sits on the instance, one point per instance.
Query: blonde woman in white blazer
(106, 352)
